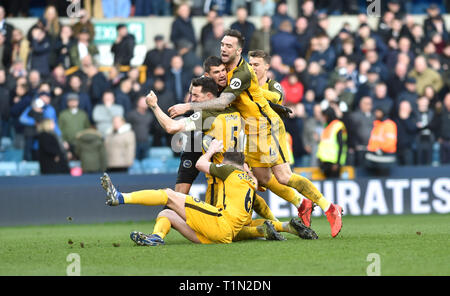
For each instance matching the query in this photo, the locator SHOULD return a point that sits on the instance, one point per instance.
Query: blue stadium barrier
(29, 168)
(136, 168)
(161, 152)
(153, 166)
(8, 168)
(173, 164)
(15, 155)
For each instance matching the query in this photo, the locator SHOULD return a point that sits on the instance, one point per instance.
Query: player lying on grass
(215, 126)
(194, 219)
(264, 129)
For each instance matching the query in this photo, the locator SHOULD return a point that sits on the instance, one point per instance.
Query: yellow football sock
(249, 232)
(307, 189)
(278, 226)
(283, 191)
(146, 197)
(162, 226)
(261, 208)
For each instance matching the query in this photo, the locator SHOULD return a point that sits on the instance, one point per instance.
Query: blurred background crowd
(58, 104)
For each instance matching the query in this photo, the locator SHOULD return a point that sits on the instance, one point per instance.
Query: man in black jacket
(123, 48)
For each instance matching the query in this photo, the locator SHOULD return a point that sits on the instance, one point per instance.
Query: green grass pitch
(406, 245)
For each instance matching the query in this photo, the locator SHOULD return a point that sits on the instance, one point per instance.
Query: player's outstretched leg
(301, 230)
(112, 195)
(142, 239)
(270, 233)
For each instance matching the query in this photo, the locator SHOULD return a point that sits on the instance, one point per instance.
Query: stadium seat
(15, 155)
(136, 168)
(8, 168)
(74, 164)
(161, 152)
(153, 166)
(5, 143)
(172, 164)
(29, 168)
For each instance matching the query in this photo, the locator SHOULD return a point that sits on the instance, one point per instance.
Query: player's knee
(166, 213)
(283, 176)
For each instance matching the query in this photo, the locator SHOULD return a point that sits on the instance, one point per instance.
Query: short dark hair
(211, 61)
(258, 53)
(236, 34)
(207, 83)
(234, 157)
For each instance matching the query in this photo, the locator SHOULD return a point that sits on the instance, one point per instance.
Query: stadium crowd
(57, 104)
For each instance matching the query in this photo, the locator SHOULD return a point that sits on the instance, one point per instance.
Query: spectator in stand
(123, 95)
(82, 48)
(244, 26)
(377, 64)
(443, 131)
(402, 46)
(364, 33)
(60, 53)
(304, 34)
(409, 94)
(367, 82)
(182, 27)
(332, 150)
(309, 102)
(34, 81)
(96, 82)
(5, 53)
(344, 93)
(72, 120)
(434, 61)
(425, 137)
(425, 76)
(53, 25)
(211, 47)
(261, 37)
(21, 99)
(117, 8)
(4, 105)
(207, 30)
(40, 52)
(263, 7)
(285, 44)
(381, 100)
(141, 120)
(418, 39)
(161, 55)
(293, 89)
(300, 68)
(84, 23)
(90, 149)
(6, 29)
(307, 9)
(361, 122)
(123, 47)
(166, 99)
(52, 154)
(325, 56)
(407, 132)
(382, 147)
(137, 88)
(331, 100)
(312, 129)
(103, 114)
(397, 80)
(120, 145)
(178, 79)
(74, 87)
(430, 94)
(189, 56)
(435, 22)
(20, 47)
(294, 127)
(281, 14)
(316, 80)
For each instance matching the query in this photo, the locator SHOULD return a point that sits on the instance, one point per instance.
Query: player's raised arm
(204, 162)
(219, 103)
(169, 125)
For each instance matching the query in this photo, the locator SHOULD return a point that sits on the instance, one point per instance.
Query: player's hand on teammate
(151, 100)
(179, 109)
(283, 111)
(215, 146)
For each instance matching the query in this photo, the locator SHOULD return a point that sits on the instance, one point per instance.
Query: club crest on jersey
(277, 86)
(235, 83)
(187, 164)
